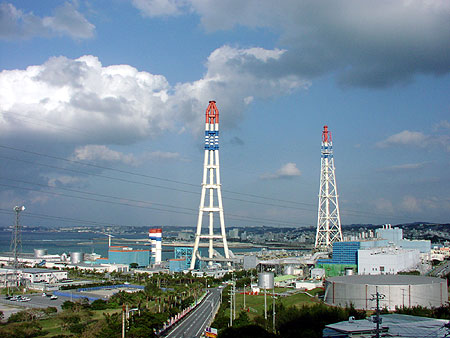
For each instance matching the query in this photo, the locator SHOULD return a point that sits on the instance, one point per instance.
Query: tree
(249, 331)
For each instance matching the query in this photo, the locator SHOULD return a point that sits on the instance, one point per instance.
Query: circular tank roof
(385, 279)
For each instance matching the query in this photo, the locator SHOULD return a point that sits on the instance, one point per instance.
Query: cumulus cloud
(289, 170)
(367, 43)
(87, 103)
(384, 205)
(406, 137)
(102, 153)
(84, 102)
(405, 167)
(416, 139)
(410, 204)
(67, 21)
(153, 8)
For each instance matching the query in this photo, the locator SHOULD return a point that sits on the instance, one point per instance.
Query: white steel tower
(328, 219)
(211, 185)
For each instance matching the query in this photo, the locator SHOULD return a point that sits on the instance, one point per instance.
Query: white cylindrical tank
(76, 257)
(39, 253)
(265, 280)
(348, 271)
(397, 290)
(289, 270)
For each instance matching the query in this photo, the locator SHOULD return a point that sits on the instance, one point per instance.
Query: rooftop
(386, 279)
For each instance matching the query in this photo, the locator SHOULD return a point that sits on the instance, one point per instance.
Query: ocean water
(86, 242)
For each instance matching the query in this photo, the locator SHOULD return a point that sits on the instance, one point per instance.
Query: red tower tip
(326, 135)
(212, 113)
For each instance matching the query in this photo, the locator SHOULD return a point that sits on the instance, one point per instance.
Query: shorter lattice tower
(16, 246)
(328, 218)
(211, 185)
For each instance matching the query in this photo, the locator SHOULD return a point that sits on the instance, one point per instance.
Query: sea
(59, 242)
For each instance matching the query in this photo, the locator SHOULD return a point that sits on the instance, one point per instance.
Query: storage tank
(348, 271)
(76, 257)
(289, 270)
(265, 280)
(397, 290)
(39, 253)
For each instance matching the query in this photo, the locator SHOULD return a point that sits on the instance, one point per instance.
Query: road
(194, 325)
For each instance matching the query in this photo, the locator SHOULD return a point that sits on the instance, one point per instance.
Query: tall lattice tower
(328, 218)
(211, 185)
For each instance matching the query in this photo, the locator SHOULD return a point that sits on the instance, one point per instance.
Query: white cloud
(416, 139)
(102, 153)
(444, 124)
(406, 137)
(411, 204)
(153, 8)
(367, 43)
(87, 103)
(405, 167)
(67, 20)
(165, 155)
(384, 205)
(289, 170)
(83, 101)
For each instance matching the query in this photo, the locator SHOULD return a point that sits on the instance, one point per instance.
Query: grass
(255, 303)
(52, 326)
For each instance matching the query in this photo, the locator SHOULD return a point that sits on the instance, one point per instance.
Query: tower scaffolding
(328, 218)
(211, 185)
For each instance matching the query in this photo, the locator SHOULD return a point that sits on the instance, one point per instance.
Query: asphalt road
(194, 325)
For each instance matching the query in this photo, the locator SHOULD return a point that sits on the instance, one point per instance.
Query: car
(54, 297)
(44, 294)
(8, 297)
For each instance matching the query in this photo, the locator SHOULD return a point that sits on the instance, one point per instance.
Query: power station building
(396, 290)
(127, 255)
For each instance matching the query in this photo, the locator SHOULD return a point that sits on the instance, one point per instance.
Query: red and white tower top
(212, 113)
(326, 135)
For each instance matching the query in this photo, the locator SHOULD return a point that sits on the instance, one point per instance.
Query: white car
(54, 297)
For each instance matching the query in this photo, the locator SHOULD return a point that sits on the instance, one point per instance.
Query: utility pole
(234, 299)
(273, 311)
(244, 296)
(123, 320)
(265, 305)
(377, 319)
(231, 300)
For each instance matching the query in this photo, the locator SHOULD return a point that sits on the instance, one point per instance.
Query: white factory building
(387, 260)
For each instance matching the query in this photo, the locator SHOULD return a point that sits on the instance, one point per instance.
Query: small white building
(387, 260)
(35, 275)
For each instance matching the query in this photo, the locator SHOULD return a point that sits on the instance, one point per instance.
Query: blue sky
(122, 86)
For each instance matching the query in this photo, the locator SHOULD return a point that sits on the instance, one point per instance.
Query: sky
(102, 109)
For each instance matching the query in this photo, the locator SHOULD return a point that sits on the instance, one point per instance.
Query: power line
(347, 211)
(229, 216)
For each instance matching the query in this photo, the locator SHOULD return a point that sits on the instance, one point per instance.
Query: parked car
(54, 297)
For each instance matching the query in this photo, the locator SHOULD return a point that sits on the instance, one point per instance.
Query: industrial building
(396, 290)
(393, 325)
(395, 237)
(388, 260)
(127, 255)
(178, 265)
